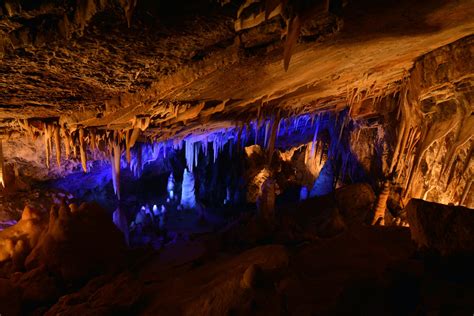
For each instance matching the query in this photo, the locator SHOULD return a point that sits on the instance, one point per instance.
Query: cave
(236, 157)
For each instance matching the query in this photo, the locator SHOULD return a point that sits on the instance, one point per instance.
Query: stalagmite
(170, 186)
(82, 148)
(381, 206)
(57, 144)
(324, 182)
(188, 198)
(303, 193)
(266, 200)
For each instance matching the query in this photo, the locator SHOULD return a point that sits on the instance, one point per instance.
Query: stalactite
(134, 136)
(92, 136)
(267, 129)
(25, 125)
(345, 121)
(127, 146)
(47, 143)
(239, 137)
(74, 147)
(381, 206)
(2, 165)
(248, 133)
(82, 149)
(189, 154)
(215, 150)
(315, 137)
(205, 147)
(196, 153)
(57, 144)
(139, 168)
(256, 131)
(115, 162)
(67, 141)
(279, 130)
(273, 136)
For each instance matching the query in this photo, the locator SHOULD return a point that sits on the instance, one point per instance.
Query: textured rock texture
(448, 230)
(87, 80)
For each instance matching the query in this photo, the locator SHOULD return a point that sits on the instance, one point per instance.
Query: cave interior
(236, 157)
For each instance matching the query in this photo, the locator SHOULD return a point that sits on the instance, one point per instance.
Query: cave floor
(190, 277)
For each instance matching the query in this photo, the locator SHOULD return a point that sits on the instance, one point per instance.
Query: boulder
(251, 277)
(17, 241)
(79, 244)
(101, 296)
(355, 202)
(447, 230)
(37, 286)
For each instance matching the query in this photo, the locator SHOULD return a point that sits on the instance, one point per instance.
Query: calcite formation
(372, 92)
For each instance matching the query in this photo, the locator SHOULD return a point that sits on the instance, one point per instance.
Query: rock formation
(188, 197)
(444, 229)
(216, 126)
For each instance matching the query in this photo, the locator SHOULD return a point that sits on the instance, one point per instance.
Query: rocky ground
(317, 258)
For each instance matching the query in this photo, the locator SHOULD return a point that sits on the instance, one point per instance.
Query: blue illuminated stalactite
(321, 131)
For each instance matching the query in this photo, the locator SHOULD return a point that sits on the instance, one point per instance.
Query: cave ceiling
(190, 65)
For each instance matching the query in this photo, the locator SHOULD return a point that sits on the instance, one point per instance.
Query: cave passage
(236, 157)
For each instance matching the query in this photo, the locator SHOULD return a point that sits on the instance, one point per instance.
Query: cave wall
(416, 135)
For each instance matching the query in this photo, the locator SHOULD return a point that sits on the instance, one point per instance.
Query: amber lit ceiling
(194, 62)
